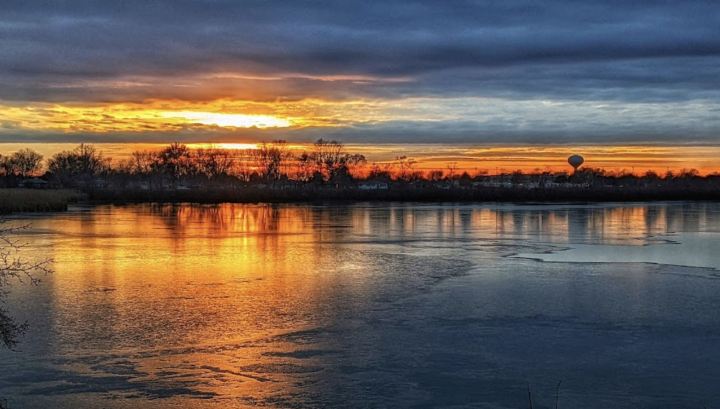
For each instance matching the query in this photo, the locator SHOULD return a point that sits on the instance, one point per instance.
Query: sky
(454, 73)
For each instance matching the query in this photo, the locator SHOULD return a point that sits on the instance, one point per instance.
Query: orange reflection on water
(180, 284)
(235, 302)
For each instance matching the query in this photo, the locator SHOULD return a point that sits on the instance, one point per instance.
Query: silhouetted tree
(326, 166)
(141, 162)
(214, 162)
(689, 174)
(331, 159)
(79, 165)
(23, 163)
(305, 166)
(405, 167)
(378, 172)
(452, 168)
(175, 161)
(271, 158)
(435, 175)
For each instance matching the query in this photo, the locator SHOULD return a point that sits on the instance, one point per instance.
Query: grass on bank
(36, 200)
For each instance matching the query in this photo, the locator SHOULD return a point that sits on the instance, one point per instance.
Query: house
(34, 183)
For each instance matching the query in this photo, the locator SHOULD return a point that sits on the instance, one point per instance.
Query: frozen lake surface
(691, 249)
(370, 305)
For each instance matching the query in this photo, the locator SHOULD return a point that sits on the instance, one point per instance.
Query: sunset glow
(470, 158)
(448, 92)
(229, 120)
(234, 123)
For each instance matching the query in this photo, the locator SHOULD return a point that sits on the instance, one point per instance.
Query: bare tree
(214, 162)
(271, 158)
(141, 162)
(380, 172)
(24, 163)
(14, 268)
(244, 163)
(80, 164)
(331, 159)
(451, 169)
(435, 175)
(305, 166)
(5, 165)
(176, 161)
(405, 167)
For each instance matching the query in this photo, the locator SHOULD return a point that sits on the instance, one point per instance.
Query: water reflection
(362, 305)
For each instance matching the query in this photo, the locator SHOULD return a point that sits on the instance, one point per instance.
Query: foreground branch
(14, 268)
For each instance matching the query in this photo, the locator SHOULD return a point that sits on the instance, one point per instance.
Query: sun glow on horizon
(223, 145)
(229, 120)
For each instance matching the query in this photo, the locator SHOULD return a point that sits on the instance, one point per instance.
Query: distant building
(34, 183)
(372, 185)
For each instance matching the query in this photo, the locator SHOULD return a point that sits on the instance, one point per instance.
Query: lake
(370, 305)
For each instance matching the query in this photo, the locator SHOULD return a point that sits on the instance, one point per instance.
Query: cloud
(460, 120)
(621, 52)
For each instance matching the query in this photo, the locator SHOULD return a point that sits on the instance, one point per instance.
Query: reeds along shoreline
(45, 200)
(250, 194)
(35, 200)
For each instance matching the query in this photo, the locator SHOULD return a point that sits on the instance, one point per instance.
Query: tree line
(325, 162)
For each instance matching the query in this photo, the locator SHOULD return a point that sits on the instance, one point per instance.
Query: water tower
(575, 161)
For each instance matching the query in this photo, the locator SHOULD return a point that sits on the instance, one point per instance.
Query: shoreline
(405, 194)
(16, 200)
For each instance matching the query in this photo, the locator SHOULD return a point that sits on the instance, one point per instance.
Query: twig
(15, 268)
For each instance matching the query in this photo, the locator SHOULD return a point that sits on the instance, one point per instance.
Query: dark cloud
(505, 47)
